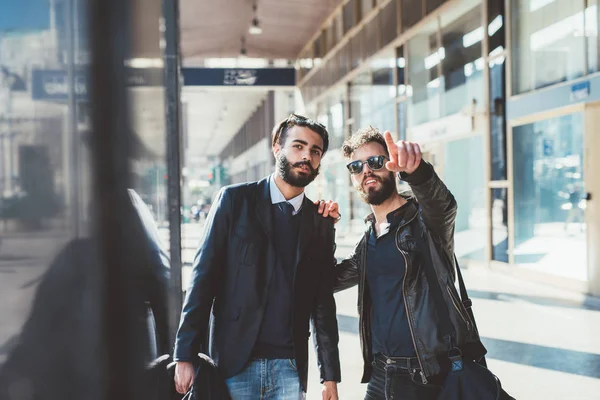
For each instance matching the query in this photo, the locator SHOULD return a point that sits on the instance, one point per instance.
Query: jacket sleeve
(323, 317)
(346, 274)
(437, 204)
(209, 259)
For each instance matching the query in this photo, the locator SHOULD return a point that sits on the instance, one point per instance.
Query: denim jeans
(263, 379)
(395, 383)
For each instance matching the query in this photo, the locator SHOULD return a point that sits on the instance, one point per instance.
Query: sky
(24, 15)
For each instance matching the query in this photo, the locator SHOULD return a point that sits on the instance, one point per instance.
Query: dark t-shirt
(385, 275)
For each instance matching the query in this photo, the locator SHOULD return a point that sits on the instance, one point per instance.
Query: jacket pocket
(246, 250)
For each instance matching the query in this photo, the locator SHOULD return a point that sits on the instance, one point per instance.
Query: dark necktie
(286, 208)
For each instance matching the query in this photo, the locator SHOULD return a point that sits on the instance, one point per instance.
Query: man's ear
(276, 149)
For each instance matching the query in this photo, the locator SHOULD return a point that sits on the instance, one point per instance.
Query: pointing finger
(391, 146)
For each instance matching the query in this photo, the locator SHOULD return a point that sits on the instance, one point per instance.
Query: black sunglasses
(374, 162)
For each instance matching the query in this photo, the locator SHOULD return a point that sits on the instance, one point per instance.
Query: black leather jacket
(428, 225)
(229, 286)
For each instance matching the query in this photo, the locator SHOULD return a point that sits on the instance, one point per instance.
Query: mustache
(304, 163)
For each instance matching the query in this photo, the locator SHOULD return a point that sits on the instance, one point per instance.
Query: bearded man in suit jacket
(262, 273)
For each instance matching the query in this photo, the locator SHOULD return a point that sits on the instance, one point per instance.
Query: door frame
(555, 280)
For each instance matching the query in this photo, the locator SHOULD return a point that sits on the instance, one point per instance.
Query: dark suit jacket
(233, 268)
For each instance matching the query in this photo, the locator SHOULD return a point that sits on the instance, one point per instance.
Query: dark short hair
(281, 130)
(362, 137)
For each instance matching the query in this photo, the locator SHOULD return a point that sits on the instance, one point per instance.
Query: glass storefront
(549, 44)
(383, 92)
(424, 57)
(592, 16)
(497, 68)
(499, 205)
(549, 196)
(462, 173)
(462, 66)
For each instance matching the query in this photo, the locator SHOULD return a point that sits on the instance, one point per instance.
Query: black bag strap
(464, 298)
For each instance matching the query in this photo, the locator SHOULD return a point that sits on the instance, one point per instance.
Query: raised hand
(404, 156)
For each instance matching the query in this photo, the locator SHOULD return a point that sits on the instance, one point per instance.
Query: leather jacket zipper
(455, 303)
(409, 318)
(363, 337)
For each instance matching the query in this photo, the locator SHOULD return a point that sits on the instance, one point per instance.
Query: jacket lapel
(263, 208)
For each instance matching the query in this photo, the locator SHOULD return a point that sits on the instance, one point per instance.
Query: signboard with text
(53, 85)
(239, 77)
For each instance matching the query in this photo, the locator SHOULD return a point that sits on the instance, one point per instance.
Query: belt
(409, 364)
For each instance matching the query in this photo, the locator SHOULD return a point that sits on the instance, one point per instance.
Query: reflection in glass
(549, 195)
(463, 174)
(382, 93)
(498, 117)
(548, 42)
(45, 191)
(389, 22)
(402, 121)
(496, 26)
(462, 66)
(592, 16)
(412, 12)
(500, 225)
(424, 57)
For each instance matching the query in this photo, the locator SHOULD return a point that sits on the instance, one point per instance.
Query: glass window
(549, 224)
(401, 70)
(498, 117)
(349, 15)
(548, 43)
(371, 43)
(500, 225)
(411, 12)
(366, 6)
(383, 92)
(344, 60)
(330, 38)
(592, 16)
(464, 176)
(496, 23)
(357, 49)
(389, 23)
(402, 121)
(57, 264)
(462, 64)
(317, 48)
(46, 199)
(433, 4)
(360, 100)
(424, 57)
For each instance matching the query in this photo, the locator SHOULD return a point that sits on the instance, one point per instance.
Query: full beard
(284, 167)
(376, 197)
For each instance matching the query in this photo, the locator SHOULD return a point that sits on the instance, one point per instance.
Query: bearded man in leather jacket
(407, 245)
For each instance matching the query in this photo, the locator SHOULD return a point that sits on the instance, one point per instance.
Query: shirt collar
(278, 197)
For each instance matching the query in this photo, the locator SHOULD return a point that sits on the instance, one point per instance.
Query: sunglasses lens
(355, 167)
(375, 162)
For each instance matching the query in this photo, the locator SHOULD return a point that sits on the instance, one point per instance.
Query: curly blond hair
(362, 137)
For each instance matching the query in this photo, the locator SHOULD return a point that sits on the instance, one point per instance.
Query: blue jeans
(266, 380)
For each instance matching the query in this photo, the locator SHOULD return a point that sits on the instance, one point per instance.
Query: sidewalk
(542, 342)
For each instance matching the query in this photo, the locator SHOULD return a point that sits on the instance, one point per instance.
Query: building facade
(503, 98)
